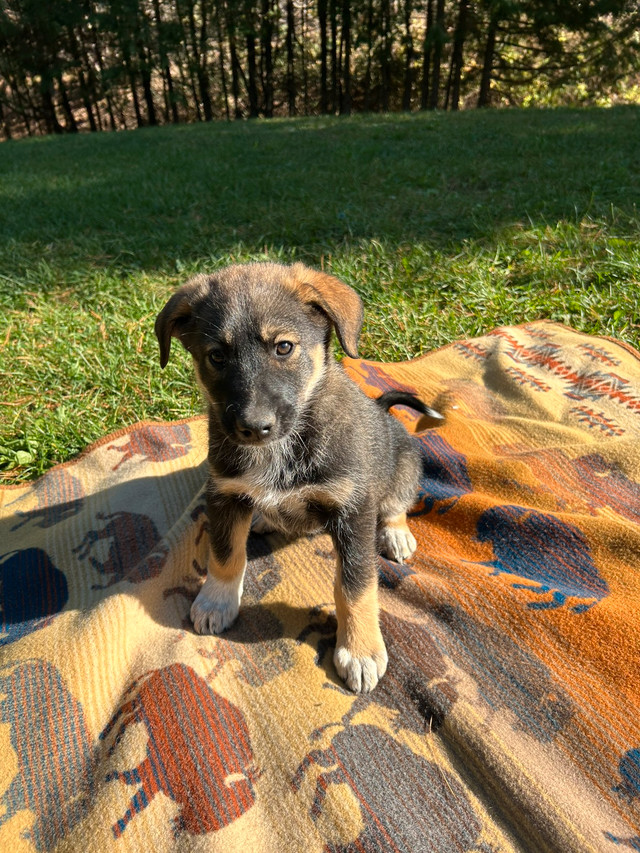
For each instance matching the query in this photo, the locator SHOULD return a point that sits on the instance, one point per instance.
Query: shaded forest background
(70, 65)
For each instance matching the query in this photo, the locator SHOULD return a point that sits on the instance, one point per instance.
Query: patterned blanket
(508, 719)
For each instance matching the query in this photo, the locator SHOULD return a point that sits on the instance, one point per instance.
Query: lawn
(447, 225)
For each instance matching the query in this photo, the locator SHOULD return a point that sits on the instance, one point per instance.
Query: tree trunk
(367, 74)
(345, 93)
(386, 53)
(145, 76)
(303, 59)
(333, 23)
(457, 54)
(85, 94)
(426, 57)
(484, 97)
(408, 57)
(251, 78)
(48, 111)
(171, 107)
(235, 66)
(136, 100)
(322, 25)
(439, 37)
(98, 115)
(24, 102)
(222, 60)
(97, 53)
(204, 84)
(198, 62)
(6, 127)
(290, 84)
(187, 82)
(72, 125)
(266, 50)
(86, 100)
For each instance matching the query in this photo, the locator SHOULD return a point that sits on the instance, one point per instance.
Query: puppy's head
(259, 336)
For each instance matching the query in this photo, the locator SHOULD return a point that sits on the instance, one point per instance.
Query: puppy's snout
(255, 430)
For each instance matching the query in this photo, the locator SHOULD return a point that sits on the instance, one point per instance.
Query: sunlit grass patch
(447, 225)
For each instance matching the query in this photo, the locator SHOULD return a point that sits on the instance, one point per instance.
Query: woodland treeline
(69, 65)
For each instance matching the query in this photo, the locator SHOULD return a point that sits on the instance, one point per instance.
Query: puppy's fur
(293, 442)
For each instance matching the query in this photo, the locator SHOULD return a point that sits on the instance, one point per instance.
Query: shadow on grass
(159, 198)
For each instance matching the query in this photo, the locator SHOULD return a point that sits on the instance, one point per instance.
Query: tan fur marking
(397, 521)
(236, 563)
(340, 302)
(203, 388)
(231, 486)
(358, 625)
(332, 494)
(270, 333)
(318, 359)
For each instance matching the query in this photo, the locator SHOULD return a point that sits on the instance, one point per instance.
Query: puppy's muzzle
(254, 431)
(250, 424)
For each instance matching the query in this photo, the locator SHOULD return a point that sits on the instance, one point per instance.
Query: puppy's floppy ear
(172, 319)
(339, 302)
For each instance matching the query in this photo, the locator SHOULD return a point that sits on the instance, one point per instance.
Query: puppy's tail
(404, 398)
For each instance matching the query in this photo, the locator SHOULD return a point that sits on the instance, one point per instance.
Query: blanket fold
(508, 719)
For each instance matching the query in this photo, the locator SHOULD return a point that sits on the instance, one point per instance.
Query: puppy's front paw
(216, 605)
(360, 673)
(397, 542)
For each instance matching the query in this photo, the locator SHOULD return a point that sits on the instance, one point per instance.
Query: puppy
(293, 442)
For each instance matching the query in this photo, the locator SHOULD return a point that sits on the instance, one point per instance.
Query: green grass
(447, 225)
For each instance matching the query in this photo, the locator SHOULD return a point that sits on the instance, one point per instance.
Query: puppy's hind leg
(218, 602)
(395, 540)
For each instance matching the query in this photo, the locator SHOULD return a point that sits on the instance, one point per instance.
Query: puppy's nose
(259, 431)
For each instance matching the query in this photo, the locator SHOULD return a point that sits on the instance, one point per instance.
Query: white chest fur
(279, 503)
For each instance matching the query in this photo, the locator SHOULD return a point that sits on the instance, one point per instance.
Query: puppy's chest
(299, 502)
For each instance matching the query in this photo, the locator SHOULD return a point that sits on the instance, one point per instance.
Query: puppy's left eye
(284, 348)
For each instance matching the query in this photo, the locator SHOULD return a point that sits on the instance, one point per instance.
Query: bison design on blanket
(388, 780)
(54, 759)
(154, 443)
(136, 552)
(553, 555)
(198, 751)
(32, 591)
(58, 495)
(445, 477)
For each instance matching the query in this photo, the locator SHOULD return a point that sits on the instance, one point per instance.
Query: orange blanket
(508, 719)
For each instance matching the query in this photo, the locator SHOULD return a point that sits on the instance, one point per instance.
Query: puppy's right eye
(216, 357)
